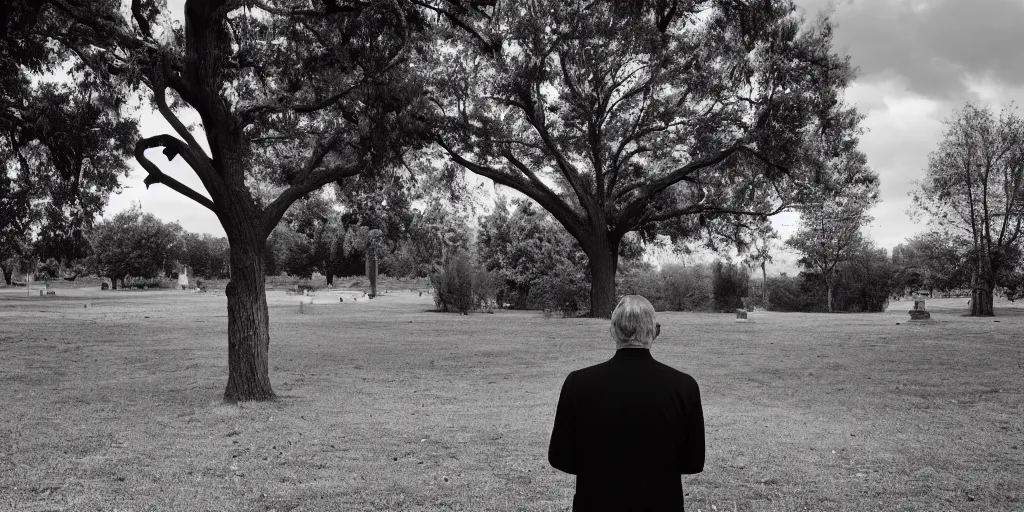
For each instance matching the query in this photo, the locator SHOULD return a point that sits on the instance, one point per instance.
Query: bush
(730, 283)
(139, 283)
(566, 291)
(461, 285)
(794, 294)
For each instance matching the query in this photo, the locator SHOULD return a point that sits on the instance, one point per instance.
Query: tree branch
(552, 203)
(276, 209)
(157, 176)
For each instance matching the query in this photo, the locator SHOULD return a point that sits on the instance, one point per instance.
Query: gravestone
(919, 312)
(741, 315)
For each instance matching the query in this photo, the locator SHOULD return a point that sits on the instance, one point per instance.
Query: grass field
(385, 406)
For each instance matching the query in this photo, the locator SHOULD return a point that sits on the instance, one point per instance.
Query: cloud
(935, 44)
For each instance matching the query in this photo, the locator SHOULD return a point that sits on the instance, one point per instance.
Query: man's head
(633, 323)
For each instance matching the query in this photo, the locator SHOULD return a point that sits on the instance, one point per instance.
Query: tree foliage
(933, 260)
(529, 252)
(205, 255)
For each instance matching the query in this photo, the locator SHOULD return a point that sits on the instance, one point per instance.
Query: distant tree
(759, 253)
(828, 235)
(933, 260)
(294, 95)
(133, 243)
(867, 280)
(310, 238)
(974, 188)
(377, 217)
(204, 254)
(619, 120)
(16, 212)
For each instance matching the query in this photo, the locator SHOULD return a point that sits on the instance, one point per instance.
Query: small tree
(527, 248)
(933, 260)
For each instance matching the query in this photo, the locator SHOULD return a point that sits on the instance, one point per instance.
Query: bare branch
(157, 176)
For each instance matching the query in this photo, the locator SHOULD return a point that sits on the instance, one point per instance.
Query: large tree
(617, 117)
(288, 93)
(63, 145)
(974, 188)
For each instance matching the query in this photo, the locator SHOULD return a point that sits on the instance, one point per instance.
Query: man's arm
(560, 451)
(691, 450)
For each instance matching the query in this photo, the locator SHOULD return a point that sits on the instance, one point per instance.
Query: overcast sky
(918, 60)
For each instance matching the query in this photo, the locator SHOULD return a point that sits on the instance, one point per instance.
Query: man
(629, 427)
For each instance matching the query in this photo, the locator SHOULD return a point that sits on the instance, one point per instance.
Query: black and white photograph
(511, 255)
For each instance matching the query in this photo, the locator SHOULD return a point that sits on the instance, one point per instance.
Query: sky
(919, 62)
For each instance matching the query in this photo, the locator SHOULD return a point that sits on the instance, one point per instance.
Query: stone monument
(919, 312)
(741, 315)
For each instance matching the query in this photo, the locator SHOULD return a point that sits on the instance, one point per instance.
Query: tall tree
(974, 187)
(617, 117)
(828, 236)
(289, 93)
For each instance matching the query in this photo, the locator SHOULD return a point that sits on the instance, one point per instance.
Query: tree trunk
(248, 323)
(330, 278)
(603, 263)
(830, 287)
(371, 271)
(764, 286)
(113, 283)
(8, 274)
(981, 301)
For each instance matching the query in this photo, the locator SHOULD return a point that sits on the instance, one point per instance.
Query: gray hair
(633, 323)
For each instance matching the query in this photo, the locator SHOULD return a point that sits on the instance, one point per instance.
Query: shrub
(729, 285)
(566, 291)
(461, 285)
(794, 294)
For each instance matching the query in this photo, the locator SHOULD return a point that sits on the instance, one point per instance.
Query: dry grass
(387, 407)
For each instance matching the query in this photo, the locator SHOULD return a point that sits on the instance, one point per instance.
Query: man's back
(628, 428)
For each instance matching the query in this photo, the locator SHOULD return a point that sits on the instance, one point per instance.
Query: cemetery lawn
(386, 406)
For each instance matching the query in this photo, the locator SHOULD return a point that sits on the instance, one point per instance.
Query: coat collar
(633, 354)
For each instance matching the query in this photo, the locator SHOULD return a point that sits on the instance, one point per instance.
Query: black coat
(628, 428)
